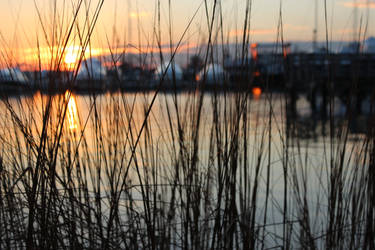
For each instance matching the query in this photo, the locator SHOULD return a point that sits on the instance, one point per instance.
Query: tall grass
(192, 170)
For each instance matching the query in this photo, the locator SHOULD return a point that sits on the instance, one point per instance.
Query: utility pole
(315, 30)
(355, 21)
(355, 28)
(130, 28)
(114, 31)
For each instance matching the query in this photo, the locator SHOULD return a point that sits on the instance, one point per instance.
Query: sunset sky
(21, 30)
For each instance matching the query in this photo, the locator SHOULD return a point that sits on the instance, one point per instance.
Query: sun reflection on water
(72, 114)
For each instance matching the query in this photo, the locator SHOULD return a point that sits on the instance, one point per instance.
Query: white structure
(214, 74)
(369, 45)
(91, 69)
(12, 75)
(174, 72)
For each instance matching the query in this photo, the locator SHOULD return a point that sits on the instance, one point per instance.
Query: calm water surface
(108, 132)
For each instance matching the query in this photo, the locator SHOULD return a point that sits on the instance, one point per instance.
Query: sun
(70, 59)
(71, 55)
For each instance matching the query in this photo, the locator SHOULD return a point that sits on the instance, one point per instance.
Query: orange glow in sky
(71, 55)
(36, 36)
(34, 57)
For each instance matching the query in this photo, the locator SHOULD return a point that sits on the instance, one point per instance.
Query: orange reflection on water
(72, 114)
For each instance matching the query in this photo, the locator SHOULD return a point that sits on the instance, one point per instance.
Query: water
(111, 140)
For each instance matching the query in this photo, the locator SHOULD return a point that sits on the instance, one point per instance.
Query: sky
(29, 28)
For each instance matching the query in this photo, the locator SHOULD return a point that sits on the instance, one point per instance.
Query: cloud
(272, 31)
(234, 33)
(345, 31)
(294, 27)
(360, 4)
(141, 14)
